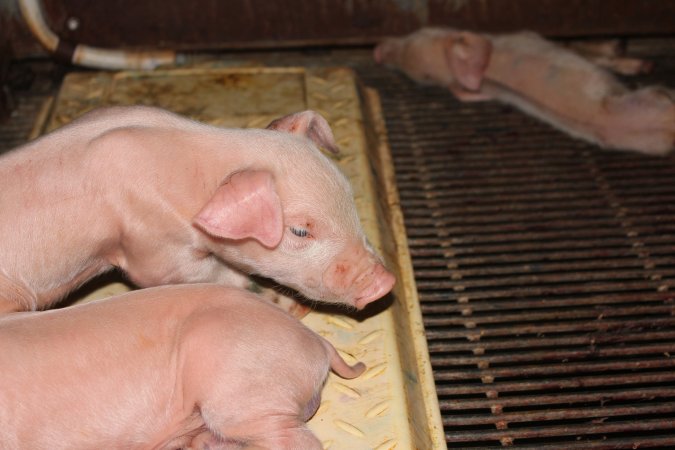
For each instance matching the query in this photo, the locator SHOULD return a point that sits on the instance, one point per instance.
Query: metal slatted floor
(545, 268)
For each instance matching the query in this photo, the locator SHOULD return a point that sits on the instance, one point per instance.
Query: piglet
(168, 200)
(542, 79)
(197, 366)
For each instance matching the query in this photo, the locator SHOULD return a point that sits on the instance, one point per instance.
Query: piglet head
(293, 219)
(467, 55)
(445, 57)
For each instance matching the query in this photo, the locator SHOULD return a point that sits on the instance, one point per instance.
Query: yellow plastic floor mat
(393, 404)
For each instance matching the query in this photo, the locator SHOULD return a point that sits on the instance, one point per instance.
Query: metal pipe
(90, 56)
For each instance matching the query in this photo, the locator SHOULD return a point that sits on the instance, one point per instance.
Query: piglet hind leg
(642, 120)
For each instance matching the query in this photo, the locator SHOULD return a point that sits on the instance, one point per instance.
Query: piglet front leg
(608, 53)
(279, 296)
(465, 95)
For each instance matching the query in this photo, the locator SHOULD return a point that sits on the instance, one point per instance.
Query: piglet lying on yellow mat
(199, 366)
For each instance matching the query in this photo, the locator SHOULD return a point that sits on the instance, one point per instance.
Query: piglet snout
(357, 277)
(377, 54)
(373, 285)
(386, 51)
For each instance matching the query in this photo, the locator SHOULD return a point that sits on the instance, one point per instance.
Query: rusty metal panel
(214, 24)
(207, 24)
(557, 17)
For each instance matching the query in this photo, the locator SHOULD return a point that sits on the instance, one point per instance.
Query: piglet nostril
(382, 282)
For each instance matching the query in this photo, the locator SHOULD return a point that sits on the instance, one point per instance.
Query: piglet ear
(309, 124)
(245, 206)
(468, 56)
(384, 51)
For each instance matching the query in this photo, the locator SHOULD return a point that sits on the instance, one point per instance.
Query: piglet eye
(299, 232)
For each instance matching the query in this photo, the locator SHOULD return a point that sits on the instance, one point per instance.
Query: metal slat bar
(539, 400)
(558, 414)
(629, 426)
(471, 333)
(554, 384)
(572, 368)
(432, 293)
(603, 443)
(545, 356)
(594, 339)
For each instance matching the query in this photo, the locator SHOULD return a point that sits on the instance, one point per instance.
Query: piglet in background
(191, 366)
(557, 85)
(168, 200)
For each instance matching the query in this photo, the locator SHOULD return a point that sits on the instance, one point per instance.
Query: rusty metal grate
(545, 268)
(15, 130)
(31, 84)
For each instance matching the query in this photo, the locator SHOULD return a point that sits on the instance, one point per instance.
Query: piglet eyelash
(299, 232)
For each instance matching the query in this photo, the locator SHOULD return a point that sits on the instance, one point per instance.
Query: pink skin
(189, 365)
(169, 200)
(547, 81)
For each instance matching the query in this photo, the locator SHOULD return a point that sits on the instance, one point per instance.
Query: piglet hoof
(290, 305)
(284, 302)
